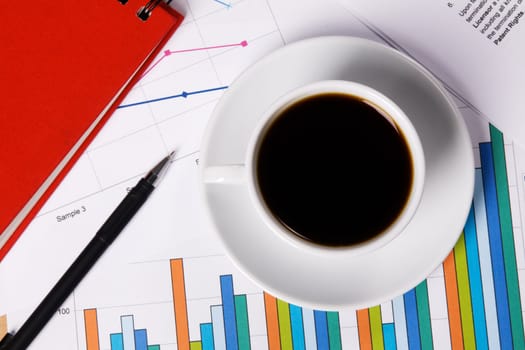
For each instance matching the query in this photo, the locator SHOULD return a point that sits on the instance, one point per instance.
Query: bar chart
(228, 328)
(289, 326)
(128, 338)
(477, 288)
(410, 330)
(293, 327)
(481, 284)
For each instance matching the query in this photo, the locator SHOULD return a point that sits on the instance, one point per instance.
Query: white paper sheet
(172, 104)
(476, 47)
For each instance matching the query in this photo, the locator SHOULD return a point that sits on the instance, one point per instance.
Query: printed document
(476, 47)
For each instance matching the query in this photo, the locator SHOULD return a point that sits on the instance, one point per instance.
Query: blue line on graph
(223, 3)
(184, 94)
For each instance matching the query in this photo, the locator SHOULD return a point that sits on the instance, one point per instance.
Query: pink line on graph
(169, 52)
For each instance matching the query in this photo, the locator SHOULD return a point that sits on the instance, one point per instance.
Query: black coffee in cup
(334, 169)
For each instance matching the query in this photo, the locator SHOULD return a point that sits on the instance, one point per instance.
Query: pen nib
(158, 170)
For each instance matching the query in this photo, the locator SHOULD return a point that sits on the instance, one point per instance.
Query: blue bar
(414, 342)
(496, 248)
(217, 321)
(228, 305)
(207, 336)
(476, 290)
(400, 324)
(389, 336)
(117, 343)
(310, 340)
(141, 339)
(489, 297)
(321, 330)
(128, 332)
(296, 319)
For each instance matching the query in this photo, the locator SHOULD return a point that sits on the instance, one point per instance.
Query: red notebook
(64, 67)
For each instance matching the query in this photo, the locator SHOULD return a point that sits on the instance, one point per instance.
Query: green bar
(376, 328)
(334, 330)
(423, 314)
(195, 345)
(241, 316)
(507, 238)
(153, 347)
(465, 301)
(285, 325)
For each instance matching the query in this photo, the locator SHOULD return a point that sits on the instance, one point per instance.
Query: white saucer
(334, 282)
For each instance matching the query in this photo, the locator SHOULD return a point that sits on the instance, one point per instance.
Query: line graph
(169, 52)
(183, 94)
(223, 3)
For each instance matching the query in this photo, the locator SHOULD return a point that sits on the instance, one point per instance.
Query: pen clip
(145, 11)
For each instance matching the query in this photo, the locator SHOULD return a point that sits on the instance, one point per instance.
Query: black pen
(116, 222)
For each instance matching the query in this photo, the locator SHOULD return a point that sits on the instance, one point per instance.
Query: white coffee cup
(245, 173)
(323, 276)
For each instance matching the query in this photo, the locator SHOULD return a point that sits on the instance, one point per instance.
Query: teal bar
(297, 323)
(117, 341)
(241, 317)
(334, 330)
(153, 347)
(207, 336)
(389, 336)
(423, 312)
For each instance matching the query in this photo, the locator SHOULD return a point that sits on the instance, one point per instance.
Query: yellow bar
(285, 325)
(376, 327)
(196, 345)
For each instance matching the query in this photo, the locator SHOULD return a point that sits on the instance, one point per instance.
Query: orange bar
(363, 328)
(454, 316)
(272, 322)
(91, 328)
(179, 304)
